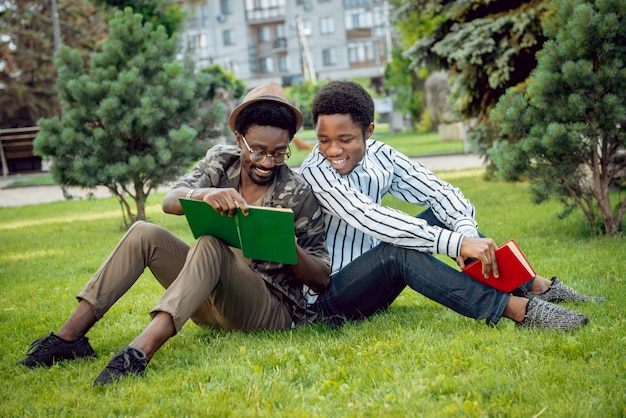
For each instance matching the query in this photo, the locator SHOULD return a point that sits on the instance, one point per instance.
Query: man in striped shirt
(376, 251)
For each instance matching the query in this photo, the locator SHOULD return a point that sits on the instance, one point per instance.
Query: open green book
(265, 234)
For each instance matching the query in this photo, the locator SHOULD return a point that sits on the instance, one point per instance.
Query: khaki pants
(208, 282)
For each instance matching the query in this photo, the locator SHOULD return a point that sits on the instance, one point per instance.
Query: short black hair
(346, 98)
(266, 114)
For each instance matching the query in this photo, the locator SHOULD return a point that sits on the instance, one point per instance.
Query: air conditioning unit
(221, 18)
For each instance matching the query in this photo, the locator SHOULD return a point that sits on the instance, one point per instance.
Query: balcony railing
(266, 14)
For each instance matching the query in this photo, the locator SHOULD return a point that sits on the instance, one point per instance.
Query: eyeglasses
(279, 157)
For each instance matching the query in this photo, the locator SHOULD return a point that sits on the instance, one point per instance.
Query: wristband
(189, 193)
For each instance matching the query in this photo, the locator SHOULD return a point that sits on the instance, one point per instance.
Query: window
(307, 27)
(204, 14)
(191, 21)
(198, 41)
(283, 64)
(354, 21)
(264, 33)
(228, 37)
(360, 52)
(379, 22)
(267, 65)
(358, 18)
(356, 3)
(281, 31)
(226, 7)
(327, 25)
(329, 57)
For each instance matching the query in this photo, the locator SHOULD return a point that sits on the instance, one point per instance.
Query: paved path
(31, 195)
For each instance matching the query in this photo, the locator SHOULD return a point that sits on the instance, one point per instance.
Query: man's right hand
(483, 249)
(225, 201)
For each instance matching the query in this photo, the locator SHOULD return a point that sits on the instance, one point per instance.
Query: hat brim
(233, 116)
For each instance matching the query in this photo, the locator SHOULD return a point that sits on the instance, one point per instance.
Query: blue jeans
(372, 281)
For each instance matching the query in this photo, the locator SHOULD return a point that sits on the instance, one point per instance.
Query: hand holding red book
(514, 268)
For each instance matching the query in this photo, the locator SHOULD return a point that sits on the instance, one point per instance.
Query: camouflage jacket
(221, 167)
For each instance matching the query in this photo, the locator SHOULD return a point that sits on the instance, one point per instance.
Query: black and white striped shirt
(356, 221)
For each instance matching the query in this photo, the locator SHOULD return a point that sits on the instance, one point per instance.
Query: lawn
(415, 359)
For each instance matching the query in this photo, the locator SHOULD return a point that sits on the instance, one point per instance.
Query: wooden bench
(16, 150)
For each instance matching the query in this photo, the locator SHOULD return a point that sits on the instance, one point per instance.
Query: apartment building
(286, 41)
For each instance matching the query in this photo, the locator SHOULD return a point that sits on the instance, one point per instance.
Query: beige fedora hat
(270, 92)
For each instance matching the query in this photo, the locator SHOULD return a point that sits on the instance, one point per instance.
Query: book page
(270, 208)
(520, 256)
(268, 234)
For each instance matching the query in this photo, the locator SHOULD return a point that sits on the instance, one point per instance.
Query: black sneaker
(47, 350)
(128, 361)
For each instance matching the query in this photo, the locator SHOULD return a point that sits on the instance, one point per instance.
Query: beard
(259, 179)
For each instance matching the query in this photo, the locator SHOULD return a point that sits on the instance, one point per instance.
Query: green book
(266, 233)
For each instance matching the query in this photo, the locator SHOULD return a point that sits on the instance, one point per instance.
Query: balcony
(359, 33)
(280, 43)
(267, 14)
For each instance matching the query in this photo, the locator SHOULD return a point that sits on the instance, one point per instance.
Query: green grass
(36, 180)
(415, 359)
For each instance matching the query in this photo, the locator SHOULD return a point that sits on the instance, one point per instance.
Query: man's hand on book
(225, 201)
(483, 249)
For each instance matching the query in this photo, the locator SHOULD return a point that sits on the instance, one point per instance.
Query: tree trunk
(141, 210)
(602, 180)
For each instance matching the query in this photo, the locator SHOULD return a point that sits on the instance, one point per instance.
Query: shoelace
(125, 357)
(42, 342)
(543, 311)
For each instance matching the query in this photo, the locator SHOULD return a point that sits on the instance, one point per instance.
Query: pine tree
(487, 47)
(127, 120)
(566, 131)
(157, 12)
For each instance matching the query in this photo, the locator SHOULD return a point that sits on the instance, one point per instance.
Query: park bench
(16, 150)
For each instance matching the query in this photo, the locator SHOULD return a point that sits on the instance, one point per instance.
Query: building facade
(286, 41)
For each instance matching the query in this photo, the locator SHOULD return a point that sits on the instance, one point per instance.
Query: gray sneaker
(47, 350)
(129, 361)
(558, 292)
(545, 315)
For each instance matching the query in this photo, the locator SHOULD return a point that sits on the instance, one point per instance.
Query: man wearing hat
(209, 282)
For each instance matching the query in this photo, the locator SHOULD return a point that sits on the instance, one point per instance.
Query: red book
(513, 267)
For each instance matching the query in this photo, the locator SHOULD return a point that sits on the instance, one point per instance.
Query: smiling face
(268, 139)
(341, 141)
